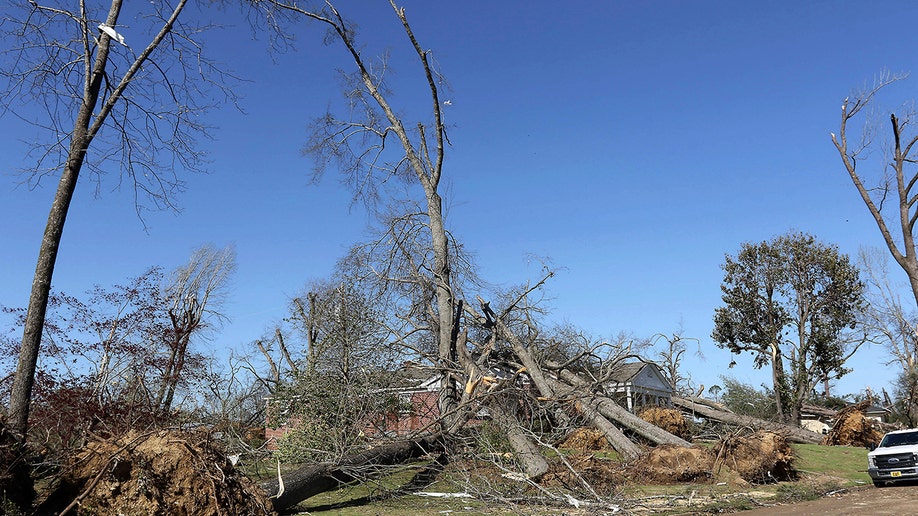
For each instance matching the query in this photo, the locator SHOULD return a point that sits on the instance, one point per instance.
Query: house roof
(624, 373)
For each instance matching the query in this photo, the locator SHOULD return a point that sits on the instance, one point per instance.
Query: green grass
(841, 462)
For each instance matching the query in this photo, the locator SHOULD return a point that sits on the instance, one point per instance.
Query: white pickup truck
(895, 459)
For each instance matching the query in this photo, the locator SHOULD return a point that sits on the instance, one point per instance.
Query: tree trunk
(311, 480)
(21, 393)
(794, 434)
(612, 410)
(502, 410)
(617, 439)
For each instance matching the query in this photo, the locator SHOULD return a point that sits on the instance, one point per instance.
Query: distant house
(639, 384)
(876, 413)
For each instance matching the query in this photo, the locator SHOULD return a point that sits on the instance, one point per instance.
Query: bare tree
(359, 145)
(889, 322)
(138, 110)
(888, 191)
(196, 294)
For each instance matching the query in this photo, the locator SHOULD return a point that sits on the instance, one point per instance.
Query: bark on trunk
(617, 439)
(21, 393)
(613, 411)
(793, 433)
(311, 480)
(527, 451)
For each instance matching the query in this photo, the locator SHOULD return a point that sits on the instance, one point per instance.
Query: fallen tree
(793, 433)
(292, 488)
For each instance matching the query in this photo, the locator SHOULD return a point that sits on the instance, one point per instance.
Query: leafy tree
(746, 400)
(791, 302)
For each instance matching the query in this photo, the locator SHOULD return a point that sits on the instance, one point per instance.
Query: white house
(639, 384)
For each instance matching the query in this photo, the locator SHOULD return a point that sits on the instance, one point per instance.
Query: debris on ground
(603, 475)
(162, 472)
(585, 440)
(853, 428)
(671, 420)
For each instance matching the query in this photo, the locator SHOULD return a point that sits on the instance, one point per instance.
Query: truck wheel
(877, 483)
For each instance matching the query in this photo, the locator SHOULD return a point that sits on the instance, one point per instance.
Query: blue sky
(632, 144)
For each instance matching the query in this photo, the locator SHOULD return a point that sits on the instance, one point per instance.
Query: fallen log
(292, 488)
(615, 412)
(793, 433)
(501, 408)
(587, 407)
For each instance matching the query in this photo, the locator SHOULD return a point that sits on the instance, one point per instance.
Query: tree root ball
(164, 472)
(759, 458)
(853, 428)
(586, 440)
(671, 420)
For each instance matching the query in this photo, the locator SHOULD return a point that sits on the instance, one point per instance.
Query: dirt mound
(166, 472)
(759, 458)
(585, 440)
(668, 419)
(667, 464)
(853, 428)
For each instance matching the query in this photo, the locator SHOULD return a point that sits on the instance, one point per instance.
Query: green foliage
(791, 298)
(746, 400)
(329, 415)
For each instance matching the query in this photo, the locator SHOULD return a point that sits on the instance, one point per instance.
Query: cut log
(311, 480)
(793, 433)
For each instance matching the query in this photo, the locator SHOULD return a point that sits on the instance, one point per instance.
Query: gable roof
(624, 373)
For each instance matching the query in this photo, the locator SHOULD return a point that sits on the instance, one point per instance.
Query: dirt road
(893, 500)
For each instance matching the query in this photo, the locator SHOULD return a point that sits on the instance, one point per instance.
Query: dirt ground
(892, 500)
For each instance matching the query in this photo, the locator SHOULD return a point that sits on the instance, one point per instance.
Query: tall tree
(130, 99)
(887, 188)
(889, 191)
(358, 144)
(790, 302)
